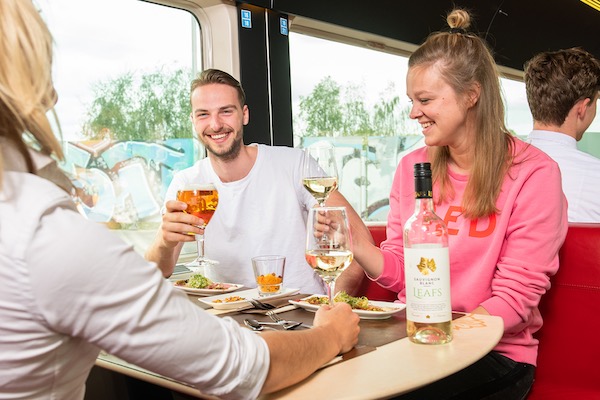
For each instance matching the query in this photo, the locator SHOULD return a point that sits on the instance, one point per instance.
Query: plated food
(201, 285)
(229, 301)
(365, 308)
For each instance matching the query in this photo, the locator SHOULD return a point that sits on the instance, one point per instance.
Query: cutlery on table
(260, 305)
(277, 319)
(254, 324)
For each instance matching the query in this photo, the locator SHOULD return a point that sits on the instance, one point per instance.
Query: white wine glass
(319, 172)
(202, 201)
(328, 244)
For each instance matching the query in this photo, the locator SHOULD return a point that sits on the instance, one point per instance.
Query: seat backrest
(569, 350)
(378, 232)
(369, 288)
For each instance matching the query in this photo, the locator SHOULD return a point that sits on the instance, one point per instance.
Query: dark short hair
(556, 80)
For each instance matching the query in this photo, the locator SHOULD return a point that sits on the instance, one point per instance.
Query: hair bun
(458, 19)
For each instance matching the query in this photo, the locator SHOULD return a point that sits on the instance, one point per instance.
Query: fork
(260, 305)
(276, 318)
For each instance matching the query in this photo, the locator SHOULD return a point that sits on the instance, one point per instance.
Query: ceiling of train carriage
(515, 29)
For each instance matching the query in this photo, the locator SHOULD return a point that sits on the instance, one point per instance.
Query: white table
(400, 366)
(392, 369)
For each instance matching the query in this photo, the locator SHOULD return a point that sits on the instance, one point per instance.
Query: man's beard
(232, 152)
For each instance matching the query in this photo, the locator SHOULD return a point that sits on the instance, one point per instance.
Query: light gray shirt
(580, 173)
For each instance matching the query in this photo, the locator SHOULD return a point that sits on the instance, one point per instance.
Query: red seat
(569, 350)
(378, 232)
(369, 288)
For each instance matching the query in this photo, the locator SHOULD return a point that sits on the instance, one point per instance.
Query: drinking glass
(268, 272)
(202, 201)
(319, 172)
(328, 244)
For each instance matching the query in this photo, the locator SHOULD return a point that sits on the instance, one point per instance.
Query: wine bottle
(427, 267)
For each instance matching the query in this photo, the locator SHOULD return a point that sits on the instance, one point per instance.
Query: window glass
(356, 98)
(122, 70)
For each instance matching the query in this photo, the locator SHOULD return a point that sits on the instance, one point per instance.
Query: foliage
(155, 106)
(151, 107)
(321, 109)
(389, 118)
(325, 112)
(356, 121)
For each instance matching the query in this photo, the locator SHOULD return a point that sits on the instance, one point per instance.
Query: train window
(122, 70)
(355, 98)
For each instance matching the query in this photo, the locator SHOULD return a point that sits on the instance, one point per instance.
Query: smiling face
(218, 119)
(442, 113)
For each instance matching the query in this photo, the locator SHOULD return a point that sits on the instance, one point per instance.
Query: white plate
(209, 292)
(389, 308)
(246, 294)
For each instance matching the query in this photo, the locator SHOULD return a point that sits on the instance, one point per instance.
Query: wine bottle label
(427, 272)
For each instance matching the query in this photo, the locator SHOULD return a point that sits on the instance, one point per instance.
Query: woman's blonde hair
(464, 60)
(26, 89)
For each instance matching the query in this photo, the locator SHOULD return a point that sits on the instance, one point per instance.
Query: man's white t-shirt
(580, 173)
(262, 214)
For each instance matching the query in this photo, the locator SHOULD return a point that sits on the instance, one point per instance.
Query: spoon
(259, 325)
(254, 325)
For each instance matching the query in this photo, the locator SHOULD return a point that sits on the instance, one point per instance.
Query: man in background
(562, 91)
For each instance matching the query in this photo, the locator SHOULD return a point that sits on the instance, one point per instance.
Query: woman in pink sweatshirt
(500, 198)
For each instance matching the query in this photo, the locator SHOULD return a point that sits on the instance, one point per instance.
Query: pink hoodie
(502, 262)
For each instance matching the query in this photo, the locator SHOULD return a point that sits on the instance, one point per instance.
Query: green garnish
(198, 281)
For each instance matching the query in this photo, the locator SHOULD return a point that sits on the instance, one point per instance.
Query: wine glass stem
(200, 244)
(330, 291)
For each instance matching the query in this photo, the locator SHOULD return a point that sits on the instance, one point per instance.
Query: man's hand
(342, 321)
(297, 354)
(178, 226)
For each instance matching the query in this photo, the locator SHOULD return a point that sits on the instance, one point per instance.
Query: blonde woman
(69, 288)
(500, 198)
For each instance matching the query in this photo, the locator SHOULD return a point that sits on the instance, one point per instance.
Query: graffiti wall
(124, 183)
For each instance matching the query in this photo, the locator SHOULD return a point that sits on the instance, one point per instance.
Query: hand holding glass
(319, 175)
(202, 201)
(328, 244)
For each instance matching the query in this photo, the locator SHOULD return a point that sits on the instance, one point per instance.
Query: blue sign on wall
(283, 26)
(246, 19)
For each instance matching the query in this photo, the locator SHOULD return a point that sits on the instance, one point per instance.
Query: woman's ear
(473, 94)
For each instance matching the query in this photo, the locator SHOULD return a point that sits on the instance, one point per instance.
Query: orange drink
(202, 200)
(268, 272)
